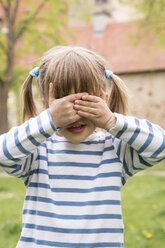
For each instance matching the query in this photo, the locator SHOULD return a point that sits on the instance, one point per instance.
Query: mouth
(77, 128)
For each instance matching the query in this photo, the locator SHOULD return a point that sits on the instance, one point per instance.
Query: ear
(44, 102)
(104, 95)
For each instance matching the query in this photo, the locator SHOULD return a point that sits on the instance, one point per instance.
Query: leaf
(151, 21)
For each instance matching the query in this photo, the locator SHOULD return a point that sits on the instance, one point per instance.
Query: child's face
(77, 132)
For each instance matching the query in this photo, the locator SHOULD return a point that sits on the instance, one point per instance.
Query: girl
(74, 173)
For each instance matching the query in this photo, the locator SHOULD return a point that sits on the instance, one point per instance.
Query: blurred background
(130, 35)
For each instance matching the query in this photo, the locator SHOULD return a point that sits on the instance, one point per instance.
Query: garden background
(130, 35)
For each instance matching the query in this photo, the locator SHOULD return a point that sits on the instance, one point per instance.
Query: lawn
(143, 203)
(12, 193)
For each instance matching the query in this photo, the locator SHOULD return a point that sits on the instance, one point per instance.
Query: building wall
(103, 12)
(146, 100)
(147, 95)
(118, 11)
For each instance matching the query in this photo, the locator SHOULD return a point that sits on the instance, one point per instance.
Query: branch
(15, 11)
(29, 20)
(6, 8)
(9, 3)
(3, 5)
(150, 8)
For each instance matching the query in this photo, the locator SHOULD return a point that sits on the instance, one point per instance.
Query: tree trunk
(3, 108)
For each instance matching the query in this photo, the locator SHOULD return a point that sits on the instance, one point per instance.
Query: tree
(151, 22)
(27, 27)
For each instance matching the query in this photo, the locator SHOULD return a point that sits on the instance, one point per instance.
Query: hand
(62, 110)
(95, 109)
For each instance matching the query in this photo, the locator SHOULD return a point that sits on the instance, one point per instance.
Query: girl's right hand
(61, 110)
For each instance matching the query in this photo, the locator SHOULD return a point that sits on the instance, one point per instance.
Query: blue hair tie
(108, 74)
(34, 72)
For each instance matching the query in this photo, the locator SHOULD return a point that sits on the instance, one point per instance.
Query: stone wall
(147, 95)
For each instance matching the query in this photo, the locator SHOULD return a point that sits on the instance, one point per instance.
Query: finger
(76, 96)
(86, 115)
(85, 103)
(51, 93)
(75, 118)
(86, 109)
(103, 95)
(91, 98)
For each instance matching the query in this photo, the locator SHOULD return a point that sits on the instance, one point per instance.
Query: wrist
(111, 122)
(53, 121)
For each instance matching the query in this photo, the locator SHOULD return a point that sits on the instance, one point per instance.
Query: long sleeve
(139, 144)
(18, 146)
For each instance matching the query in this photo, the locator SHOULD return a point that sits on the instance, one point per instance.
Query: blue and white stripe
(73, 194)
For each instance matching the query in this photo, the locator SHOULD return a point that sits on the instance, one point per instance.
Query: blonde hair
(73, 69)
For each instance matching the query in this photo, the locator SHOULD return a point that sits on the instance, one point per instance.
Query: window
(100, 1)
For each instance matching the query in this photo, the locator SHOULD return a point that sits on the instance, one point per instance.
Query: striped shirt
(73, 196)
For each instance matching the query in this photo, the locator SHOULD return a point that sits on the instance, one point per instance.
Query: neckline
(93, 136)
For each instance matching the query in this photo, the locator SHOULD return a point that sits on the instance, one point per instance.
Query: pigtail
(29, 107)
(118, 100)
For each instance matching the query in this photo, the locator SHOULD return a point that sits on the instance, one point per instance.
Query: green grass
(158, 167)
(143, 204)
(12, 194)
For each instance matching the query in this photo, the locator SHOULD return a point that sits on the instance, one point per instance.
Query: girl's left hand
(95, 109)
